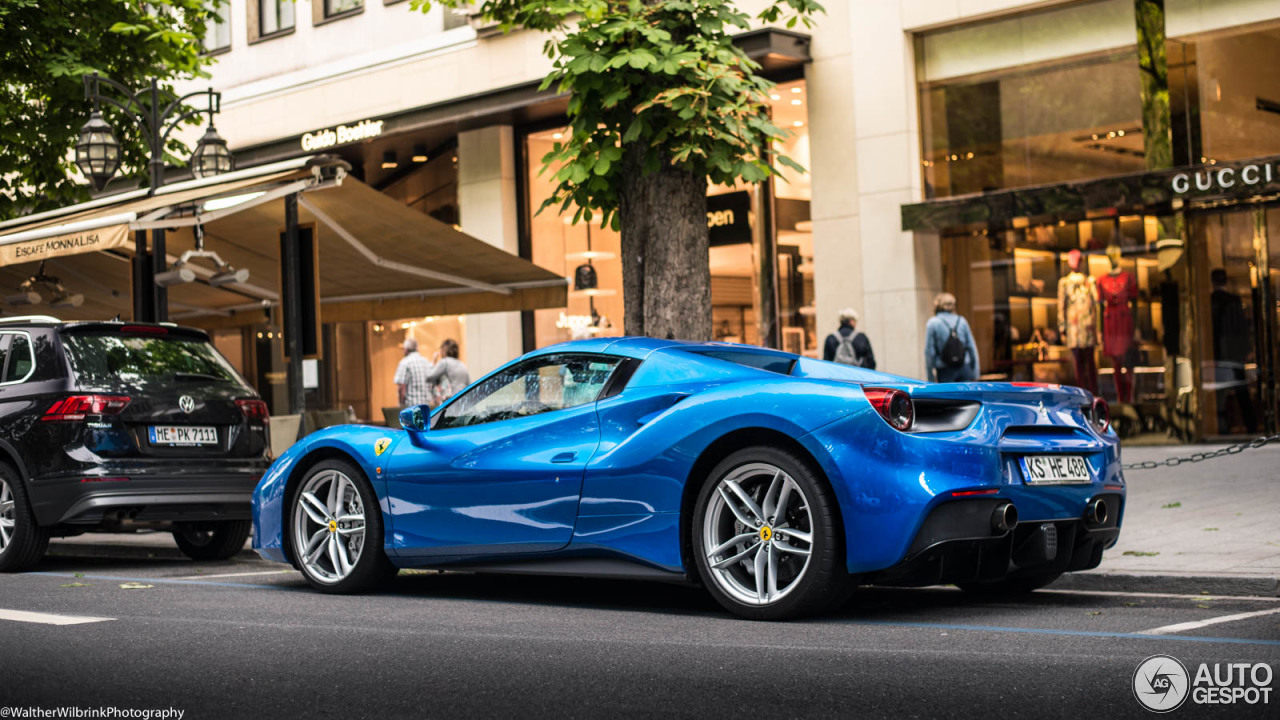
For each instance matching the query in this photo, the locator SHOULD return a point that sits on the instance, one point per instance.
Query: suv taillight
(253, 409)
(77, 407)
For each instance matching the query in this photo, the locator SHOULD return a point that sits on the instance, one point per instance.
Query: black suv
(115, 427)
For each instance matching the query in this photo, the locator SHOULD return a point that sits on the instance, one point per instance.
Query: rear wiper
(196, 376)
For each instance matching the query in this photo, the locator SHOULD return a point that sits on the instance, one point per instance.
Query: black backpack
(953, 350)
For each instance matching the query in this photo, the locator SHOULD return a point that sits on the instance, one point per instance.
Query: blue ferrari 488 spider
(777, 482)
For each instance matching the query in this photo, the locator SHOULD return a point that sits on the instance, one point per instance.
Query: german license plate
(183, 435)
(1055, 470)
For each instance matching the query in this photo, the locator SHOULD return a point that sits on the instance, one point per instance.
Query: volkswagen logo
(187, 403)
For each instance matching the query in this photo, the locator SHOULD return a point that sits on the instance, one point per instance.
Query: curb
(1255, 586)
(132, 552)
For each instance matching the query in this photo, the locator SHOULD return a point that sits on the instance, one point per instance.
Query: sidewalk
(1212, 526)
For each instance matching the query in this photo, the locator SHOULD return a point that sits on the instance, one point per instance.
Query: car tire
(22, 540)
(748, 577)
(211, 540)
(1009, 586)
(324, 565)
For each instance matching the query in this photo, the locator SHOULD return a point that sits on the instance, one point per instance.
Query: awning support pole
(159, 263)
(292, 304)
(143, 280)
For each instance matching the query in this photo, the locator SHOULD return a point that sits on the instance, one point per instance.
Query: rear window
(108, 360)
(780, 364)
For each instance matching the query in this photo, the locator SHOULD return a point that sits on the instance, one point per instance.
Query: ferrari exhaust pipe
(1004, 518)
(1096, 511)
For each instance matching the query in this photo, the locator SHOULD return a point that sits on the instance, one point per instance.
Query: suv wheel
(22, 542)
(211, 540)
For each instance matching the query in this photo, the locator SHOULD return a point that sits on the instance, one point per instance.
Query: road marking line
(1117, 593)
(165, 581)
(1051, 631)
(227, 575)
(1183, 627)
(1108, 593)
(48, 618)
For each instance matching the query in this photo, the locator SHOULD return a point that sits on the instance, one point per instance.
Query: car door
(500, 471)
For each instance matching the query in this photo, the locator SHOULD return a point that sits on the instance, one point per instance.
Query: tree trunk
(666, 271)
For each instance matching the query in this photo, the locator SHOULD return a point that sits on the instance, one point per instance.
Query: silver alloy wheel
(328, 526)
(758, 534)
(8, 514)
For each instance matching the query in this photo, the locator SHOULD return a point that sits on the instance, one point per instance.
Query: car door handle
(564, 457)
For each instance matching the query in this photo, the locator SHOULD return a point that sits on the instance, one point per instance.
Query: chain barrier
(1202, 456)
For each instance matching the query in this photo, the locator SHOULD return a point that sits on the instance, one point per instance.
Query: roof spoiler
(138, 328)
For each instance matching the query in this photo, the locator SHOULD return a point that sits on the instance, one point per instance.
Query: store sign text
(1222, 179)
(341, 135)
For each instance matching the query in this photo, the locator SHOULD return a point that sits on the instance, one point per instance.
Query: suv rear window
(102, 360)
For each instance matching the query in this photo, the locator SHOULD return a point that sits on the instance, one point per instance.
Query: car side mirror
(414, 419)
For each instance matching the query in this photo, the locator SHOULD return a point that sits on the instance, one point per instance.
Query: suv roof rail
(29, 318)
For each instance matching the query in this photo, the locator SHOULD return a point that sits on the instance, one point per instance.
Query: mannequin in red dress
(1118, 293)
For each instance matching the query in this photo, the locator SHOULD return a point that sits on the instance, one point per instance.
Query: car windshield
(108, 360)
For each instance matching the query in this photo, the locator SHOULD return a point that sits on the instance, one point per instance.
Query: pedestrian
(449, 374)
(847, 345)
(412, 385)
(950, 355)
(1232, 343)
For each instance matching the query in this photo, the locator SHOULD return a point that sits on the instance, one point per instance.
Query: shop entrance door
(1239, 286)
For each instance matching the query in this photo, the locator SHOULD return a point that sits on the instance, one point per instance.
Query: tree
(661, 103)
(49, 46)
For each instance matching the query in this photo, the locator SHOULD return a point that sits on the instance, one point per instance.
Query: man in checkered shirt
(411, 376)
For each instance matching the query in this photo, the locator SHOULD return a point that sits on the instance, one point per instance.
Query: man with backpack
(950, 355)
(847, 346)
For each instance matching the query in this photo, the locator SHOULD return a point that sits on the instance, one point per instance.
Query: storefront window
(589, 255)
(1039, 98)
(794, 228)
(386, 348)
(1071, 303)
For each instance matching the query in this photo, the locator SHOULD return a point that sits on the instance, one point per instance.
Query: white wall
(386, 59)
(487, 204)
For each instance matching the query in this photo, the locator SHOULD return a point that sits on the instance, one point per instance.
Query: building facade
(966, 146)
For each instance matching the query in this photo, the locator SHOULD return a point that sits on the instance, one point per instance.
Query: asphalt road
(247, 639)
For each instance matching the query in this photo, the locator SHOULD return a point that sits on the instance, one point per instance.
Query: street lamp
(211, 156)
(98, 151)
(98, 154)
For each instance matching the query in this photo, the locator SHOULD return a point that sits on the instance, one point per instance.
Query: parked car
(776, 481)
(115, 427)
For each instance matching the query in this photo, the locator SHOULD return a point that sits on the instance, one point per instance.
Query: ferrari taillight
(1100, 415)
(77, 407)
(894, 406)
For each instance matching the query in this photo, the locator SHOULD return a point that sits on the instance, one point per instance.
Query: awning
(378, 258)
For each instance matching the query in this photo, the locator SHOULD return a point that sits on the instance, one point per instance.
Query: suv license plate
(1055, 470)
(183, 435)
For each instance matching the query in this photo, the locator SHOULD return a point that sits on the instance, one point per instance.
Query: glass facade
(742, 220)
(1031, 100)
(1171, 312)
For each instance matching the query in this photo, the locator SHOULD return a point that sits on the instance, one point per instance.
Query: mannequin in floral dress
(1078, 321)
(1118, 292)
